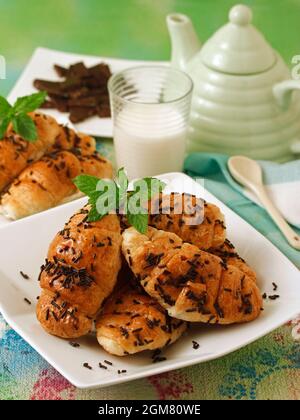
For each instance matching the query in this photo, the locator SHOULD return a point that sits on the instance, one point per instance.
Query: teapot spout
(184, 40)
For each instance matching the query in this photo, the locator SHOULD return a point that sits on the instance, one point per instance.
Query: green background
(127, 28)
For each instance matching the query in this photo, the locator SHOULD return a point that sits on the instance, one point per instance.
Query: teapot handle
(282, 92)
(295, 147)
(283, 95)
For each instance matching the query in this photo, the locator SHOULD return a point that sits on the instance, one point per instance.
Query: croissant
(16, 153)
(80, 271)
(191, 284)
(96, 165)
(68, 139)
(229, 255)
(48, 182)
(209, 234)
(131, 321)
(204, 226)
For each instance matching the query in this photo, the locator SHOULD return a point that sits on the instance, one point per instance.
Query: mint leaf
(3, 126)
(102, 195)
(138, 221)
(25, 126)
(86, 184)
(106, 196)
(94, 216)
(29, 103)
(5, 108)
(107, 199)
(17, 114)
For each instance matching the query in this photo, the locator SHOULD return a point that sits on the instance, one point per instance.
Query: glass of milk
(150, 109)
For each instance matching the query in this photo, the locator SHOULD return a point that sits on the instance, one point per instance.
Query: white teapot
(242, 101)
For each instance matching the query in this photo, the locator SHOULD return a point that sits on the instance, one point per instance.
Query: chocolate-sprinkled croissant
(188, 216)
(191, 284)
(49, 182)
(229, 255)
(68, 139)
(132, 321)
(80, 271)
(208, 235)
(16, 153)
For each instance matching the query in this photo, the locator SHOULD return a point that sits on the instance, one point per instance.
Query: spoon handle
(291, 236)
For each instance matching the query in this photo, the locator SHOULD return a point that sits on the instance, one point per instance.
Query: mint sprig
(17, 115)
(108, 196)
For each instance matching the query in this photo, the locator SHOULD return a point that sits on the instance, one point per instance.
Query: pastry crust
(49, 182)
(58, 317)
(132, 321)
(189, 217)
(68, 139)
(16, 153)
(191, 284)
(229, 255)
(95, 164)
(81, 270)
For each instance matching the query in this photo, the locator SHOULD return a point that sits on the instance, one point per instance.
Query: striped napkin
(282, 183)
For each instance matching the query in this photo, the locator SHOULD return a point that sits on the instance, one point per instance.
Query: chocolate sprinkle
(27, 301)
(73, 344)
(71, 276)
(219, 310)
(274, 297)
(25, 276)
(195, 345)
(102, 366)
(152, 260)
(87, 366)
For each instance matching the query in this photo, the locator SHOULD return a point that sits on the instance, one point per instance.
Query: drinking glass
(150, 110)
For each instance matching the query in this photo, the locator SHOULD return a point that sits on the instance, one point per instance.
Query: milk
(149, 139)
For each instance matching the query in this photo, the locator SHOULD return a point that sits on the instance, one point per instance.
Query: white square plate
(24, 244)
(40, 66)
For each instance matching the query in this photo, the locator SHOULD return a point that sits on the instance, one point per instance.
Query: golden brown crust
(68, 139)
(16, 153)
(189, 217)
(229, 255)
(204, 227)
(48, 182)
(96, 165)
(132, 321)
(58, 317)
(191, 284)
(82, 266)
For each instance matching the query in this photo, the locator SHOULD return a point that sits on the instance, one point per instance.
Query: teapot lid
(238, 47)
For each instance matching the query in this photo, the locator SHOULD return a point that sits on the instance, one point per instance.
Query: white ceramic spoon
(248, 173)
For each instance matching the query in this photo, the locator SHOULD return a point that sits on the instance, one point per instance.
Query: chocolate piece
(83, 92)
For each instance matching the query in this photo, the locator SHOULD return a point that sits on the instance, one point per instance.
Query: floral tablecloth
(267, 369)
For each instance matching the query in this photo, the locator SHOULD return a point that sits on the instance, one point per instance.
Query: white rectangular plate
(40, 66)
(24, 245)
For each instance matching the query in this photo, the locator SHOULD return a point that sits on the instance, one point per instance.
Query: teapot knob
(240, 15)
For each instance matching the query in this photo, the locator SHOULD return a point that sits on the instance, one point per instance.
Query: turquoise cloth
(213, 168)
